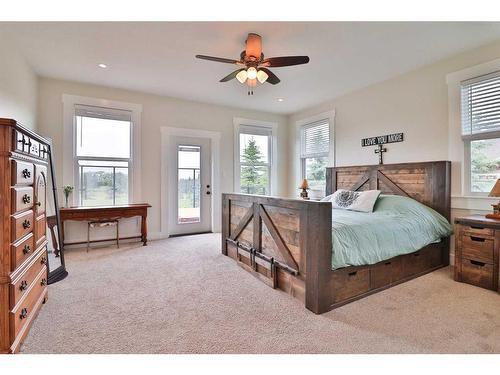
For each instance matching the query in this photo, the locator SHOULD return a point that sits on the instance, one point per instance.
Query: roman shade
(481, 106)
(315, 139)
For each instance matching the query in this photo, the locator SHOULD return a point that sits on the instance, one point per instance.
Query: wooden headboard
(426, 182)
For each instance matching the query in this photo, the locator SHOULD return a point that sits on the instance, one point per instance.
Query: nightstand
(477, 248)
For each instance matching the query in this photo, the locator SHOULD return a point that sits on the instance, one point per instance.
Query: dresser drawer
(477, 248)
(21, 251)
(349, 283)
(22, 173)
(477, 230)
(22, 224)
(384, 273)
(22, 198)
(28, 306)
(477, 273)
(24, 282)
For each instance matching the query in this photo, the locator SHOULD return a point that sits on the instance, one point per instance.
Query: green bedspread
(397, 225)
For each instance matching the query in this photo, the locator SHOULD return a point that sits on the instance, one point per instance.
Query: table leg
(144, 230)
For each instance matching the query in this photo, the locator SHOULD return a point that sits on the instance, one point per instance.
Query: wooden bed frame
(287, 243)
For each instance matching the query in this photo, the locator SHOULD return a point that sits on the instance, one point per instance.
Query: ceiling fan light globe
(252, 73)
(242, 76)
(262, 76)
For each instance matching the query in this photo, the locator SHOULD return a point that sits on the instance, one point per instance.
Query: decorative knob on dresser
(24, 313)
(43, 260)
(26, 173)
(26, 199)
(26, 224)
(43, 282)
(26, 249)
(23, 285)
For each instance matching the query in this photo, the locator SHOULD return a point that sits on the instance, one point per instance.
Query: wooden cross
(379, 151)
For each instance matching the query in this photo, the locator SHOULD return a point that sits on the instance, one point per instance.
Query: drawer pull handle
(38, 204)
(43, 260)
(388, 263)
(26, 249)
(473, 227)
(43, 282)
(26, 173)
(26, 199)
(477, 239)
(24, 313)
(476, 263)
(24, 285)
(416, 254)
(353, 273)
(26, 224)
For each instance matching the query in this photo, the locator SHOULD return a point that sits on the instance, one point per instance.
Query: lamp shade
(304, 184)
(495, 192)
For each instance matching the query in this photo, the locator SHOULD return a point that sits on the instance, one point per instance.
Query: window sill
(467, 202)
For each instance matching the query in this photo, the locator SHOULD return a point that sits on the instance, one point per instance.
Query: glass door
(190, 186)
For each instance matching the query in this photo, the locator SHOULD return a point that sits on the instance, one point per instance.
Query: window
(254, 159)
(314, 151)
(481, 132)
(188, 166)
(102, 155)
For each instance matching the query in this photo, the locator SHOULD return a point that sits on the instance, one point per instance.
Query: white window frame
(249, 126)
(458, 150)
(467, 162)
(300, 161)
(70, 161)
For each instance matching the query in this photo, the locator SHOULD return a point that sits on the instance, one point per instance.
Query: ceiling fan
(253, 67)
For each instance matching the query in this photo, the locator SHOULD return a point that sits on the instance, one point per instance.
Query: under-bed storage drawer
(421, 261)
(477, 273)
(385, 273)
(348, 282)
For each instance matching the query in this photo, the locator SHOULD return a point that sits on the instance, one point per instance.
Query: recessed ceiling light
(101, 65)
(280, 99)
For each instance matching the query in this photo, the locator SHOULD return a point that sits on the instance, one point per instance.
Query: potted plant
(68, 189)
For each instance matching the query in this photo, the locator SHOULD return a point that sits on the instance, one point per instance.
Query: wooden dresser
(477, 251)
(23, 253)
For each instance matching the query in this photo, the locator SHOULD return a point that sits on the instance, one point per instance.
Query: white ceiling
(159, 57)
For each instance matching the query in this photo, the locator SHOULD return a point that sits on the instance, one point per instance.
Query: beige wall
(18, 89)
(157, 112)
(415, 103)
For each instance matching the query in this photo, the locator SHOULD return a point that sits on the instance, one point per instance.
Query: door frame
(166, 174)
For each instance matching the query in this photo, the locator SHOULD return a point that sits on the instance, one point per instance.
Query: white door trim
(166, 133)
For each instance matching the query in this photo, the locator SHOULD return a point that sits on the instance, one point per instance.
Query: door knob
(208, 193)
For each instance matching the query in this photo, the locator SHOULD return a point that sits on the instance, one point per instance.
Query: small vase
(67, 205)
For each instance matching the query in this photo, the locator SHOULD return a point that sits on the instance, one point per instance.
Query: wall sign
(382, 139)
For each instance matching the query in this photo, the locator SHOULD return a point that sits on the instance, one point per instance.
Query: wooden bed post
(316, 221)
(226, 222)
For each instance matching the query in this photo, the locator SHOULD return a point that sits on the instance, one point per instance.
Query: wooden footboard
(280, 241)
(287, 243)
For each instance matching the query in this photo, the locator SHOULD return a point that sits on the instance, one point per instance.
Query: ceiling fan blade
(217, 59)
(231, 76)
(272, 79)
(253, 45)
(276, 62)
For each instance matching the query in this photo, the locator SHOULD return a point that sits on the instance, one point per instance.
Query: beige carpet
(182, 296)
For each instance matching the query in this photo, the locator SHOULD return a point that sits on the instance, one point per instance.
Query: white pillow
(362, 201)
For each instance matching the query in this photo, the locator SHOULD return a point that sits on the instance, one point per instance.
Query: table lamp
(495, 192)
(304, 186)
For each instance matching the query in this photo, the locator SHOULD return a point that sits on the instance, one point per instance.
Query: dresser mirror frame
(60, 272)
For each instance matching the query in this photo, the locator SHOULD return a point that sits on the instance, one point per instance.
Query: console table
(107, 212)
